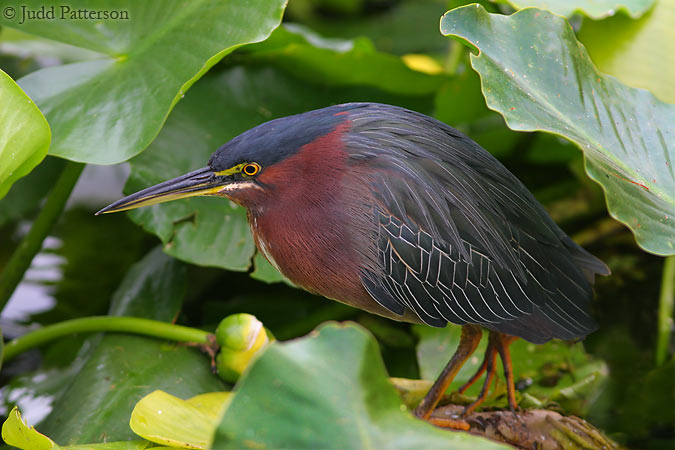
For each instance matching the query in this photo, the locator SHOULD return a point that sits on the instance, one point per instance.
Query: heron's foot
(498, 344)
(471, 408)
(454, 424)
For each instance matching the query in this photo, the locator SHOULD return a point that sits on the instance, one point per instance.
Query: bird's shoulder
(430, 175)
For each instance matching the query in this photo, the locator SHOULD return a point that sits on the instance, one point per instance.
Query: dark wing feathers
(460, 239)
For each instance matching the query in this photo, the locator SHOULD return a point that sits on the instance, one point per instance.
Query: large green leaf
(327, 390)
(121, 369)
(334, 62)
(637, 52)
(106, 110)
(537, 75)
(24, 133)
(213, 231)
(595, 9)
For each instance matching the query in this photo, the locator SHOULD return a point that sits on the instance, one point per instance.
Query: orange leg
(503, 342)
(489, 364)
(471, 335)
(490, 352)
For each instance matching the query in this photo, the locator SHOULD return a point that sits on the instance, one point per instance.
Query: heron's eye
(250, 169)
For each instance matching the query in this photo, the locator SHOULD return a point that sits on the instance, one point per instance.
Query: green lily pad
(167, 420)
(214, 231)
(595, 9)
(327, 390)
(637, 52)
(24, 134)
(107, 110)
(536, 74)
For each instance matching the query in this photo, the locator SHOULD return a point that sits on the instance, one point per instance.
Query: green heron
(401, 215)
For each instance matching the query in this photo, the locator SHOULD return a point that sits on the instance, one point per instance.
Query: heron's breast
(316, 256)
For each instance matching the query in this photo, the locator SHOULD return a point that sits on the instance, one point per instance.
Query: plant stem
(32, 243)
(145, 327)
(666, 303)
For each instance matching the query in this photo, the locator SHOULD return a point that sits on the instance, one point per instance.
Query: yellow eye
(250, 169)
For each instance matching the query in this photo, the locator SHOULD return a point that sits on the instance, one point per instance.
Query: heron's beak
(200, 182)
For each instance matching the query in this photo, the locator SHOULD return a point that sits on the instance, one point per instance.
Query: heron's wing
(461, 239)
(440, 286)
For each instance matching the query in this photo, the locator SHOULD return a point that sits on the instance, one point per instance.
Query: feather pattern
(459, 238)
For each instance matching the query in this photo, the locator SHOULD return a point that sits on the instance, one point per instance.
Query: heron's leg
(489, 363)
(471, 335)
(490, 352)
(503, 341)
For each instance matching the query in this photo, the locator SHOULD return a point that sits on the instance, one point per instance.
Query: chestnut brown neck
(314, 220)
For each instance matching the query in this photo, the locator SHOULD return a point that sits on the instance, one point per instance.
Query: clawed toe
(455, 424)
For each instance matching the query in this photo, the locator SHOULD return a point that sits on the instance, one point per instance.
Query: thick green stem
(666, 303)
(145, 327)
(32, 243)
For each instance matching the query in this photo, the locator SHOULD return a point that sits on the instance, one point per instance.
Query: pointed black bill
(200, 182)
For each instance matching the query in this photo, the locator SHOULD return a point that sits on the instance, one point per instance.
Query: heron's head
(264, 160)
